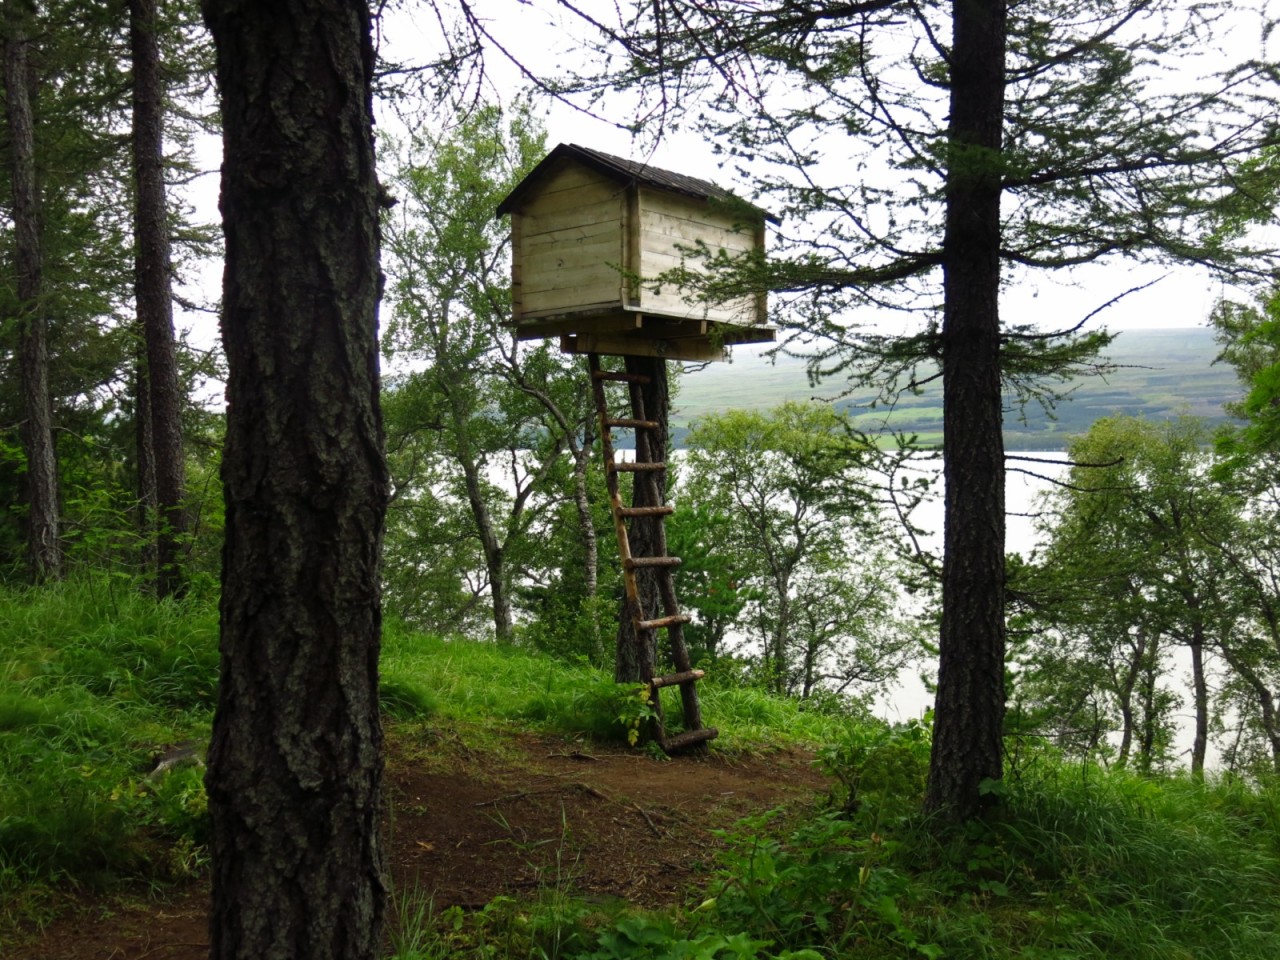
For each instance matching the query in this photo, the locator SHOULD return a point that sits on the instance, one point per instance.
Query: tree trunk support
(645, 470)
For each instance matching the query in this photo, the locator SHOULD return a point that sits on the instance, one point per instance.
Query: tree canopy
(927, 156)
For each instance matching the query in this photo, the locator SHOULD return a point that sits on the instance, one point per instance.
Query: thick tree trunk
(44, 547)
(295, 766)
(154, 301)
(635, 661)
(969, 712)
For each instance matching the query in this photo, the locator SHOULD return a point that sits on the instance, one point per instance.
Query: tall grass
(95, 680)
(1080, 862)
(484, 683)
(1118, 864)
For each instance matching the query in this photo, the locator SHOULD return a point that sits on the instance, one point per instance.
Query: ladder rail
(645, 472)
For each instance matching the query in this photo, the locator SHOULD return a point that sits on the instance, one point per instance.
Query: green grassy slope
(1079, 861)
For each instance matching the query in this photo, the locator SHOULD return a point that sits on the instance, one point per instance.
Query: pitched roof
(624, 172)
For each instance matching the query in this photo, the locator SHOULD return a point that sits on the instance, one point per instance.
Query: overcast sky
(543, 36)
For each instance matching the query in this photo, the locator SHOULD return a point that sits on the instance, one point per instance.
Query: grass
(95, 679)
(1080, 862)
(485, 684)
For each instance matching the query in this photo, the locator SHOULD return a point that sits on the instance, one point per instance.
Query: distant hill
(1160, 374)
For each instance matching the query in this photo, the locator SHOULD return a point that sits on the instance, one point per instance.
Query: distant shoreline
(1160, 374)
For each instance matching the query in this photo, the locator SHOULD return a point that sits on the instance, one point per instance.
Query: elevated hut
(591, 233)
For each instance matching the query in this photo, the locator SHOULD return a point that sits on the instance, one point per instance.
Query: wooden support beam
(637, 562)
(693, 350)
(661, 622)
(671, 679)
(665, 510)
(689, 738)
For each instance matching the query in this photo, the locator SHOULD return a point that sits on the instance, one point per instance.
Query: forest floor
(508, 815)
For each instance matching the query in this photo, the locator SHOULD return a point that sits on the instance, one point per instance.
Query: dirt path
(467, 826)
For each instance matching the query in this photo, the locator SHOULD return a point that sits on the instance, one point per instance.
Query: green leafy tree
(713, 579)
(1249, 335)
(1136, 561)
(798, 522)
(505, 416)
(936, 154)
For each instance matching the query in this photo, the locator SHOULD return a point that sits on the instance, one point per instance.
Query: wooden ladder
(646, 470)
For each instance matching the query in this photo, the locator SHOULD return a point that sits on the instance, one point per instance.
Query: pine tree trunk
(635, 661)
(154, 301)
(295, 766)
(146, 464)
(44, 548)
(969, 712)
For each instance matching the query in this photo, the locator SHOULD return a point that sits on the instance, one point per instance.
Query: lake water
(909, 698)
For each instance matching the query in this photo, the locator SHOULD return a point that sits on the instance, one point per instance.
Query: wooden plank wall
(669, 221)
(567, 237)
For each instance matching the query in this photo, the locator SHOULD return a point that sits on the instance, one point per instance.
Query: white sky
(544, 37)
(540, 34)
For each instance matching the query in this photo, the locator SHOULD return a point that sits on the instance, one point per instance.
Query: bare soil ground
(468, 825)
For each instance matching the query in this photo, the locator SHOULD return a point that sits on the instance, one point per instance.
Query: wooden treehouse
(590, 234)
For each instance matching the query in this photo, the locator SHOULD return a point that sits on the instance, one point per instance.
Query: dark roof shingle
(624, 171)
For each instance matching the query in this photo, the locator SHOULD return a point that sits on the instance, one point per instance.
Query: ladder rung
(635, 562)
(634, 424)
(663, 511)
(689, 738)
(674, 678)
(630, 466)
(619, 377)
(663, 622)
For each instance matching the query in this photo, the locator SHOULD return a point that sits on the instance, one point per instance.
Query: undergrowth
(96, 680)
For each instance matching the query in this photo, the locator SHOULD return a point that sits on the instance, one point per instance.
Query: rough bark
(146, 464)
(44, 548)
(969, 711)
(295, 764)
(635, 661)
(154, 299)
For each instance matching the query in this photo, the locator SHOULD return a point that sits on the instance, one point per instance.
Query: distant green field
(1159, 374)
